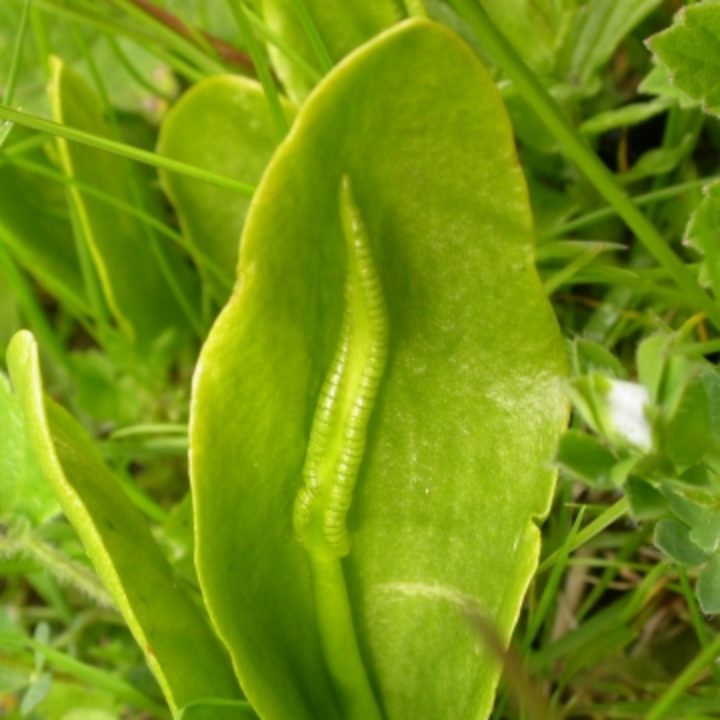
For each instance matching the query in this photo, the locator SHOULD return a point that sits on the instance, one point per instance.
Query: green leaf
(678, 373)
(592, 357)
(660, 161)
(657, 82)
(690, 53)
(128, 262)
(686, 436)
(168, 624)
(339, 25)
(698, 510)
(23, 492)
(646, 502)
(35, 694)
(708, 586)
(36, 227)
(585, 458)
(673, 538)
(434, 246)
(702, 234)
(222, 124)
(652, 354)
(625, 116)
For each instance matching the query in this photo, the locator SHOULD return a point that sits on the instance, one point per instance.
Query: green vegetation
(361, 359)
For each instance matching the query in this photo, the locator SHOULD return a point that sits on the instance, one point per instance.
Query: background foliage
(619, 622)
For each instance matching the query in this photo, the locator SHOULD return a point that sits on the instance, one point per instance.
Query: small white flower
(626, 402)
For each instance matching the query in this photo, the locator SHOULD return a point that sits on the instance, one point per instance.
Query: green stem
(123, 150)
(336, 629)
(530, 88)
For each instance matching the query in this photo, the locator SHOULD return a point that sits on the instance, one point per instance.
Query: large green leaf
(339, 25)
(128, 259)
(169, 625)
(431, 241)
(690, 53)
(222, 124)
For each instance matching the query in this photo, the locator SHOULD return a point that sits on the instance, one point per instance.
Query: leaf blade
(167, 624)
(450, 227)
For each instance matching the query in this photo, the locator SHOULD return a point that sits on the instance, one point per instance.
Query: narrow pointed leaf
(168, 624)
(128, 266)
(222, 124)
(385, 381)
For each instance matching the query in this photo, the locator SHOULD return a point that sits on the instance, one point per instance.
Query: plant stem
(128, 151)
(336, 627)
(530, 88)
